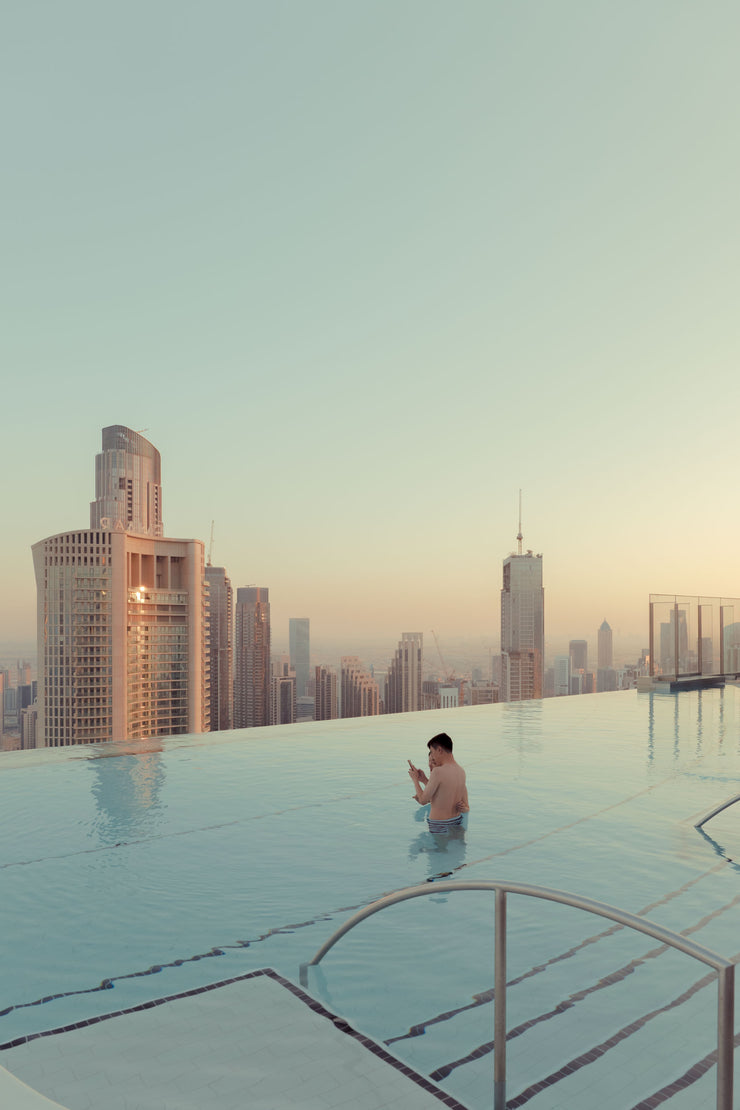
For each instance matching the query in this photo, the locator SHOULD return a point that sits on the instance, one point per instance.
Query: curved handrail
(603, 909)
(725, 968)
(717, 809)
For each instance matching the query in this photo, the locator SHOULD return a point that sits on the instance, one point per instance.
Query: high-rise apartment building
(578, 651)
(522, 626)
(561, 676)
(299, 637)
(221, 642)
(403, 684)
(28, 726)
(282, 692)
(252, 657)
(605, 653)
(325, 694)
(360, 694)
(121, 625)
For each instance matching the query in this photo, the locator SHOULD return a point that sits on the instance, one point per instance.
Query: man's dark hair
(441, 740)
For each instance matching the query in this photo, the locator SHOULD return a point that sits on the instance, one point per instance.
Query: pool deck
(257, 1041)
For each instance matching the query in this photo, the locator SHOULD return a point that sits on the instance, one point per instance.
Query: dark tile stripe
(599, 1050)
(484, 997)
(129, 1010)
(609, 980)
(691, 1075)
(316, 1007)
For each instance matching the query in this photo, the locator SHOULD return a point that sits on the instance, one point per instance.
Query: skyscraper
(522, 626)
(578, 651)
(252, 657)
(128, 489)
(121, 613)
(403, 685)
(360, 694)
(221, 639)
(561, 676)
(299, 636)
(282, 692)
(605, 654)
(325, 696)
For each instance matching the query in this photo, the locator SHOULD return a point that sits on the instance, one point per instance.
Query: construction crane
(210, 547)
(448, 674)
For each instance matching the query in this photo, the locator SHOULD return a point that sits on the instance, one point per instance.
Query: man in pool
(445, 787)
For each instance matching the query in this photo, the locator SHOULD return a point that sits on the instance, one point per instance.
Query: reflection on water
(523, 726)
(127, 792)
(697, 716)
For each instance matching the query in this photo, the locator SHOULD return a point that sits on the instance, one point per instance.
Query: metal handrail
(725, 968)
(717, 809)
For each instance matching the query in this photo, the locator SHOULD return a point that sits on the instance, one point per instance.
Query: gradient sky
(363, 270)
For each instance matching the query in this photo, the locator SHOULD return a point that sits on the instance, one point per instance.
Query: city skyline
(402, 261)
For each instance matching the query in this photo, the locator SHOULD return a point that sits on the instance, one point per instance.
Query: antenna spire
(519, 536)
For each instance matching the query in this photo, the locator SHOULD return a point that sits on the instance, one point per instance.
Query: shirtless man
(445, 787)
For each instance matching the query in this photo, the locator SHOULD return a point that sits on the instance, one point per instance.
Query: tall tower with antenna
(522, 624)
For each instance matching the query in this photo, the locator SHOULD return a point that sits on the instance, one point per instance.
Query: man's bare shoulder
(450, 771)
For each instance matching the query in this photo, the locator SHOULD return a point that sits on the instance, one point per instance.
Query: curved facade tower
(128, 484)
(121, 613)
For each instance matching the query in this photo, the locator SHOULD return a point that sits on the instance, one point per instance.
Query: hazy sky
(360, 271)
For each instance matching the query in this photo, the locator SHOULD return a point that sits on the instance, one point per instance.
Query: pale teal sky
(363, 270)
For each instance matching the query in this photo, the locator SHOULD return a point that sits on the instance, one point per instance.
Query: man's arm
(417, 770)
(424, 793)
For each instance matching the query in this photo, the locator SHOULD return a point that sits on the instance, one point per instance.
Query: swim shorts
(444, 827)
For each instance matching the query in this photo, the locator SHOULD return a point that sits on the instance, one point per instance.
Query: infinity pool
(131, 873)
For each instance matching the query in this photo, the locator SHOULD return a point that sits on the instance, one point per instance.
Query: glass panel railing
(694, 636)
(731, 637)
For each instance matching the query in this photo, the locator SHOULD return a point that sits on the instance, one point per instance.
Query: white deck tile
(254, 1042)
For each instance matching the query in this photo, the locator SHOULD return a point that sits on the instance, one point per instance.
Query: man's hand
(417, 775)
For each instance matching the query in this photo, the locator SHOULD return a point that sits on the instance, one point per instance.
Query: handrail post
(499, 1005)
(725, 1036)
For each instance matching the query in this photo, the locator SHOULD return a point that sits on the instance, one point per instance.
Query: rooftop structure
(694, 638)
(128, 484)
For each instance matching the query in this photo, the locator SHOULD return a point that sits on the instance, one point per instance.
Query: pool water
(134, 872)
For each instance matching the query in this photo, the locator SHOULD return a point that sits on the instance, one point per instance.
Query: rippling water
(129, 873)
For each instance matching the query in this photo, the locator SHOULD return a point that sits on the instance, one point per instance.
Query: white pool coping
(257, 1041)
